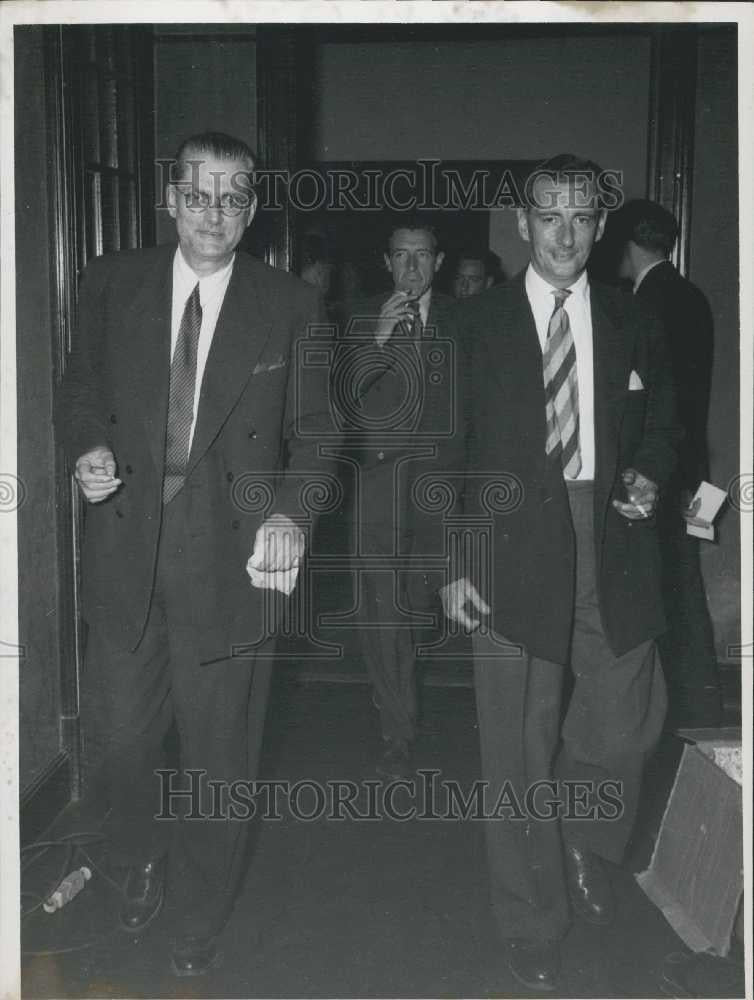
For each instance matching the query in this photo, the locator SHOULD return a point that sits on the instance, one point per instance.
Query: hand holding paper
(278, 550)
(703, 510)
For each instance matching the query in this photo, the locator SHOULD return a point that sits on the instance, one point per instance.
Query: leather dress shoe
(395, 762)
(535, 964)
(588, 885)
(193, 956)
(144, 894)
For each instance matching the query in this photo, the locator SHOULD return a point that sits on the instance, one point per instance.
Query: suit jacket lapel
(513, 330)
(612, 352)
(243, 329)
(149, 343)
(436, 312)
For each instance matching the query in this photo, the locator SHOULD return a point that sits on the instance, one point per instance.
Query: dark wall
(514, 98)
(205, 78)
(37, 543)
(511, 98)
(714, 268)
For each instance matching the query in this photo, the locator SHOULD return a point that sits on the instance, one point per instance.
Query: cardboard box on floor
(696, 873)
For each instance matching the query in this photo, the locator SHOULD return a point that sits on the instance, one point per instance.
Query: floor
(353, 908)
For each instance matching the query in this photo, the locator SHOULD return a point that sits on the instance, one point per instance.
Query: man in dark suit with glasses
(178, 398)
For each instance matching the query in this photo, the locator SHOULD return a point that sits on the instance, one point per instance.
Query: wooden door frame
(62, 779)
(672, 111)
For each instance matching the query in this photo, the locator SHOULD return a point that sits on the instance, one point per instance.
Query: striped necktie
(181, 401)
(561, 389)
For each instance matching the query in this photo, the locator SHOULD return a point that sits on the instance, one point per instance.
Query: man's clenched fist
(95, 474)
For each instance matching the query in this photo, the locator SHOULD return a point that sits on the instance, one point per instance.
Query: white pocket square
(270, 366)
(634, 382)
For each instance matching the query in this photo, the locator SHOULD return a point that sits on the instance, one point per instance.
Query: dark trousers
(688, 647)
(386, 635)
(212, 704)
(613, 722)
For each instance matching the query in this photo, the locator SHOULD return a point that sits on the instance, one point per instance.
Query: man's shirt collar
(540, 290)
(186, 278)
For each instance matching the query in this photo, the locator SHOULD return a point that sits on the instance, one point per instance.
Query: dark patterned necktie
(417, 327)
(561, 389)
(181, 402)
(411, 326)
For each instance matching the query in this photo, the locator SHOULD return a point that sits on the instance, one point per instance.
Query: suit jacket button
(252, 434)
(118, 513)
(229, 477)
(129, 470)
(113, 419)
(236, 525)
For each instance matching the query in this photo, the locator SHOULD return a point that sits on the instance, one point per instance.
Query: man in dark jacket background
(399, 364)
(688, 647)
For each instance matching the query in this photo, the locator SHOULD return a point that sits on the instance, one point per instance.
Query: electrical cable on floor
(66, 867)
(74, 844)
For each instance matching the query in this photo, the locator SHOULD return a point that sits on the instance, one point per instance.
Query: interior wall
(39, 740)
(517, 98)
(205, 78)
(714, 268)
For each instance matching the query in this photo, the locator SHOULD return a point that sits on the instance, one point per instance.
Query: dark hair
(475, 253)
(414, 223)
(649, 225)
(562, 169)
(217, 144)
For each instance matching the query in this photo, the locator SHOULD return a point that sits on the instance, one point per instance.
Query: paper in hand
(711, 498)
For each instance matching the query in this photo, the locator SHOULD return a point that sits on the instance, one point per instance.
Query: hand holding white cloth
(278, 550)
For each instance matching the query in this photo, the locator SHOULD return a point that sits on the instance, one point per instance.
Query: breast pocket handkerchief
(270, 366)
(634, 382)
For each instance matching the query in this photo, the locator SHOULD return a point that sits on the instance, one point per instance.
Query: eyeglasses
(228, 203)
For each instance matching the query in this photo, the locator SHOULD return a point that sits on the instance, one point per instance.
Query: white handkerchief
(270, 366)
(634, 381)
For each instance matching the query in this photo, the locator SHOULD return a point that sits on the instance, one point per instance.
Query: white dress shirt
(578, 307)
(211, 294)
